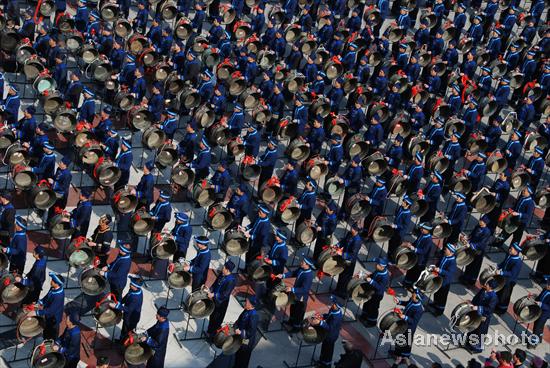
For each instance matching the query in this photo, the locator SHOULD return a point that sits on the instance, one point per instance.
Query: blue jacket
(70, 343)
(278, 256)
(415, 174)
(269, 158)
(169, 127)
(80, 216)
(353, 176)
(332, 322)
(11, 108)
(221, 181)
(251, 143)
(304, 279)
(485, 302)
(402, 221)
(223, 287)
(202, 162)
(145, 187)
(247, 323)
(394, 155)
(452, 150)
(87, 110)
(447, 269)
(260, 233)
(423, 246)
(479, 238)
(289, 182)
(511, 266)
(413, 312)
(316, 138)
(46, 167)
(158, 339)
(536, 165)
(186, 147)
(131, 306)
(502, 189)
(25, 128)
(374, 134)
(182, 235)
(525, 207)
(458, 214)
(17, 250)
(544, 299)
(118, 270)
(163, 212)
(377, 198)
(380, 280)
(514, 149)
(53, 304)
(350, 247)
(327, 223)
(335, 156)
(236, 122)
(432, 193)
(62, 182)
(307, 202)
(37, 274)
(239, 204)
(124, 160)
(199, 266)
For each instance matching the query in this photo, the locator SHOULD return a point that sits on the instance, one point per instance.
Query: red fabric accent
(286, 203)
(29, 307)
(78, 241)
(398, 310)
(336, 59)
(46, 93)
(273, 181)
(68, 104)
(320, 274)
(224, 329)
(394, 171)
(7, 281)
(272, 277)
(116, 197)
(35, 18)
(283, 123)
(248, 160)
(236, 74)
(99, 162)
(96, 261)
(158, 236)
(438, 102)
(129, 340)
(391, 292)
(57, 210)
(359, 90)
(42, 349)
(212, 212)
(259, 257)
(528, 86)
(171, 267)
(58, 17)
(203, 183)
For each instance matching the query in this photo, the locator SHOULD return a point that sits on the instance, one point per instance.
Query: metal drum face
(314, 334)
(137, 353)
(30, 326)
(13, 293)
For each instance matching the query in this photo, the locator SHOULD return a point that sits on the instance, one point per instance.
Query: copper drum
(372, 16)
(421, 97)
(211, 57)
(218, 217)
(461, 183)
(401, 126)
(138, 353)
(12, 292)
(381, 110)
(356, 146)
(516, 80)
(15, 155)
(534, 249)
(449, 33)
(89, 53)
(404, 258)
(106, 316)
(44, 356)
(542, 198)
(289, 210)
(309, 45)
(498, 68)
(360, 290)
(32, 68)
(476, 145)
(294, 82)
(235, 242)
(454, 125)
(218, 134)
(321, 106)
(331, 263)
(533, 140)
(153, 138)
(224, 70)
(92, 282)
(65, 120)
(166, 156)
(313, 334)
(336, 125)
(419, 206)
(277, 14)
(74, 42)
(252, 3)
(425, 59)
(259, 270)
(334, 187)
(398, 185)
(381, 229)
(168, 10)
(204, 193)
(228, 14)
(198, 305)
(60, 226)
(350, 83)
(43, 197)
(527, 309)
(205, 116)
(392, 323)
(464, 254)
(465, 318)
(100, 69)
(141, 118)
(509, 124)
(184, 29)
(142, 222)
(137, 43)
(321, 56)
(7, 137)
(183, 175)
(149, 57)
(375, 164)
(375, 58)
(293, 32)
(306, 233)
(315, 167)
(235, 147)
(82, 137)
(416, 144)
(429, 282)
(190, 99)
(508, 222)
(484, 201)
(279, 296)
(28, 327)
(250, 99)
(496, 163)
(441, 228)
(520, 178)
(489, 274)
(535, 92)
(124, 100)
(403, 81)
(52, 101)
(178, 278)
(45, 84)
(23, 177)
(357, 206)
(270, 191)
(242, 30)
(162, 246)
(261, 115)
(297, 149)
(122, 28)
(106, 173)
(226, 340)
(465, 45)
(266, 59)
(109, 12)
(90, 153)
(9, 40)
(237, 86)
(438, 163)
(65, 23)
(287, 128)
(250, 172)
(124, 201)
(333, 68)
(23, 52)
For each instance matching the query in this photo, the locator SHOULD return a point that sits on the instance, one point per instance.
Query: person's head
(449, 250)
(103, 362)
(5, 198)
(72, 320)
(38, 252)
(202, 242)
(354, 229)
(425, 228)
(306, 263)
(84, 194)
(251, 302)
(514, 249)
(504, 357)
(280, 236)
(484, 221)
(519, 356)
(228, 267)
(527, 191)
(56, 280)
(381, 264)
(162, 314)
(136, 283)
(105, 220)
(263, 211)
(490, 285)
